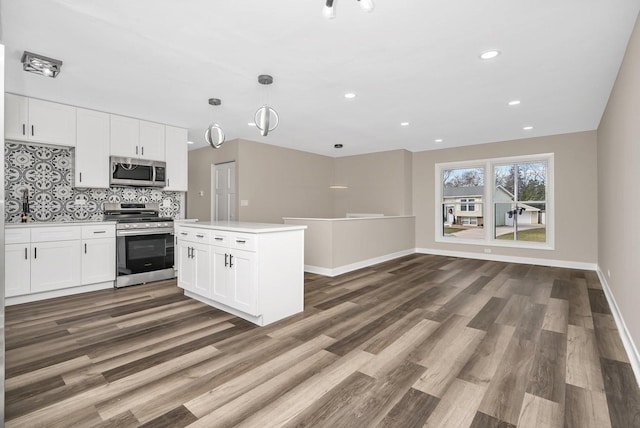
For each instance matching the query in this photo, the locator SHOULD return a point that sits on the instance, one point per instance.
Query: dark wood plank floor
(417, 341)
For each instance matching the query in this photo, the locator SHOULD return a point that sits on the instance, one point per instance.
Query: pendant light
(266, 118)
(329, 10)
(214, 135)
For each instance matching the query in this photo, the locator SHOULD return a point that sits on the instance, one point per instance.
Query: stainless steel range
(144, 243)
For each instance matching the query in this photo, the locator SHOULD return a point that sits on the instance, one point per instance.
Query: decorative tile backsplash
(47, 173)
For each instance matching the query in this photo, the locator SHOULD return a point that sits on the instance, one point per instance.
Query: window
(516, 206)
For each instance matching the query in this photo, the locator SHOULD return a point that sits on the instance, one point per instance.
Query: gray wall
(575, 194)
(618, 194)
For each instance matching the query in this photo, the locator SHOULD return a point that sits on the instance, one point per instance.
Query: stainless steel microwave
(137, 172)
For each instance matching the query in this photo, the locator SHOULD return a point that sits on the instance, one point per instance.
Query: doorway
(223, 185)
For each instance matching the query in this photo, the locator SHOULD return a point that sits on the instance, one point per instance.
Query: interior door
(224, 194)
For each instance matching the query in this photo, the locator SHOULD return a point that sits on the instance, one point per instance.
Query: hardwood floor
(418, 341)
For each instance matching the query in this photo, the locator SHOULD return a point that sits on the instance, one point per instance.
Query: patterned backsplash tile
(47, 173)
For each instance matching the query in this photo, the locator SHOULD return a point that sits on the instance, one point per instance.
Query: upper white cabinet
(38, 121)
(176, 158)
(92, 149)
(135, 138)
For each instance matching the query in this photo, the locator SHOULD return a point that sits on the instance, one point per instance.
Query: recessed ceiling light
(350, 95)
(489, 54)
(514, 102)
(404, 123)
(527, 128)
(189, 142)
(338, 146)
(438, 140)
(251, 124)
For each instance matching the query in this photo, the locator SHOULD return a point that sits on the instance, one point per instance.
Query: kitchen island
(252, 270)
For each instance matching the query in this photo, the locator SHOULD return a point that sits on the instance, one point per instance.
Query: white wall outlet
(244, 202)
(201, 193)
(487, 250)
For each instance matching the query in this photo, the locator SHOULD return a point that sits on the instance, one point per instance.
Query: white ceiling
(409, 60)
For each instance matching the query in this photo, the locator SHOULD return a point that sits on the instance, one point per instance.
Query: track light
(329, 10)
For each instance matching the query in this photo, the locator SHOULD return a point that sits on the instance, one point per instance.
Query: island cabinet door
(201, 267)
(220, 291)
(243, 281)
(186, 271)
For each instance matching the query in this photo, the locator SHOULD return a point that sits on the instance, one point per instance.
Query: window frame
(488, 203)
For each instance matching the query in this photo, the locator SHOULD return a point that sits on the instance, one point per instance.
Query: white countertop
(241, 226)
(347, 218)
(57, 223)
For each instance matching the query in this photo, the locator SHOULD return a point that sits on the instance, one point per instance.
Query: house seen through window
(503, 201)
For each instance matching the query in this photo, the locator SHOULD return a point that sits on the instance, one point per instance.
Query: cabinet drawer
(98, 231)
(220, 239)
(17, 236)
(244, 241)
(193, 234)
(61, 233)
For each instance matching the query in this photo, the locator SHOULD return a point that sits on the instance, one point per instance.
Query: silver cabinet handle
(80, 177)
(142, 151)
(136, 149)
(230, 260)
(85, 248)
(183, 233)
(225, 259)
(99, 231)
(241, 241)
(32, 131)
(200, 236)
(217, 238)
(35, 252)
(24, 129)
(26, 255)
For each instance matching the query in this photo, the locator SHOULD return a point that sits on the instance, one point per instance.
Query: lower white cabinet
(48, 258)
(55, 265)
(254, 271)
(17, 269)
(193, 267)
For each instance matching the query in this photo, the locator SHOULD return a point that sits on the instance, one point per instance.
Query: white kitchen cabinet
(98, 254)
(176, 156)
(17, 266)
(41, 260)
(124, 136)
(151, 141)
(92, 149)
(55, 265)
(138, 139)
(193, 267)
(255, 270)
(38, 121)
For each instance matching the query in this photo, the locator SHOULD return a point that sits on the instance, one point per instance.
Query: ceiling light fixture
(40, 64)
(251, 124)
(350, 95)
(189, 142)
(266, 118)
(439, 140)
(527, 128)
(214, 135)
(514, 102)
(404, 123)
(329, 10)
(489, 54)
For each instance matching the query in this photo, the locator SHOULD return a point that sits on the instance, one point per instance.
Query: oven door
(144, 256)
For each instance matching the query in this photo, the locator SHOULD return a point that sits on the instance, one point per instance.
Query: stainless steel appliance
(137, 172)
(144, 243)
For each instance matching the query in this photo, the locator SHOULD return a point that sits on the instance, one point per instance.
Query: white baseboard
(510, 259)
(355, 266)
(627, 340)
(16, 300)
